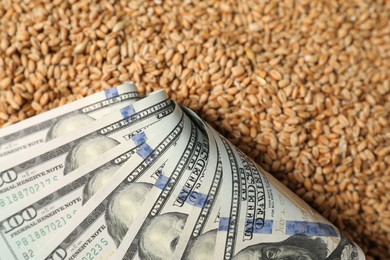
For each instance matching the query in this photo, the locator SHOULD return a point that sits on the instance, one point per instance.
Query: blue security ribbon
(203, 199)
(200, 200)
(266, 228)
(139, 138)
(127, 111)
(223, 224)
(310, 229)
(144, 150)
(110, 93)
(161, 182)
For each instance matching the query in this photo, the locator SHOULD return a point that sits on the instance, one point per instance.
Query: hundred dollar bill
(265, 220)
(157, 229)
(34, 172)
(32, 132)
(28, 229)
(105, 218)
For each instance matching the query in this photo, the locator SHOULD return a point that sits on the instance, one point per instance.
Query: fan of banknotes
(117, 176)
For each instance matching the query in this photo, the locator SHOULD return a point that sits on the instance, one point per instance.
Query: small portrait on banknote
(86, 150)
(123, 208)
(99, 178)
(298, 247)
(202, 247)
(67, 124)
(160, 235)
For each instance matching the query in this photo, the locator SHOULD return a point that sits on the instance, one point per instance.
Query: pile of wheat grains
(301, 86)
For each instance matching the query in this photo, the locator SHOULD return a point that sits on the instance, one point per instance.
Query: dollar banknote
(33, 173)
(42, 217)
(265, 220)
(32, 132)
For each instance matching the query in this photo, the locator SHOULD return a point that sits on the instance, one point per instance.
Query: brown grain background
(303, 87)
